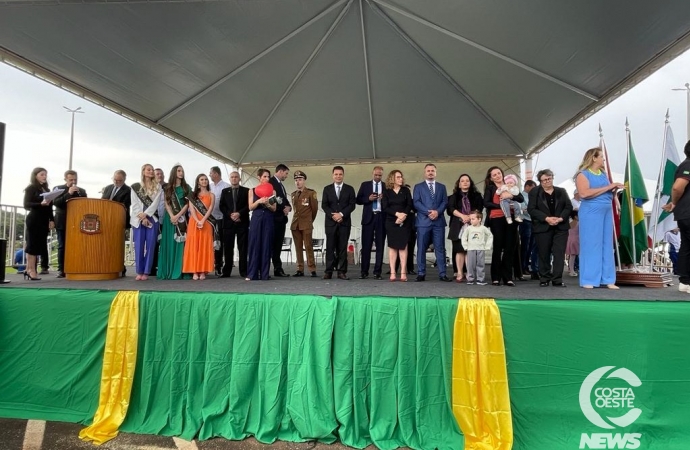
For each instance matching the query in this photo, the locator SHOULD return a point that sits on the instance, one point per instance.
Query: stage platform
(418, 365)
(432, 287)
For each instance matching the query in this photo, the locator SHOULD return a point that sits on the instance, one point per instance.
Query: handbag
(180, 236)
(462, 230)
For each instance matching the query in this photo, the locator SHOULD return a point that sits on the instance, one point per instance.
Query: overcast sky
(38, 134)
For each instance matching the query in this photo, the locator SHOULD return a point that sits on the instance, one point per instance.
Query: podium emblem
(90, 224)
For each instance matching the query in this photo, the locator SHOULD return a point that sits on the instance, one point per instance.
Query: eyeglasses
(546, 180)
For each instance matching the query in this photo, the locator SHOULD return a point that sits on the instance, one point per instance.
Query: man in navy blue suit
(280, 218)
(373, 223)
(430, 201)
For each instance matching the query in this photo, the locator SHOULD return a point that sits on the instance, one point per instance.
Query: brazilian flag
(633, 238)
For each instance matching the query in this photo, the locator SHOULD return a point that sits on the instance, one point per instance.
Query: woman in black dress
(465, 199)
(505, 234)
(397, 205)
(39, 220)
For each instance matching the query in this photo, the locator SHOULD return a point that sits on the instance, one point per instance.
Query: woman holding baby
(501, 220)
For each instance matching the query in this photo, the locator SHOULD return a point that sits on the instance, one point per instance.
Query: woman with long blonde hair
(144, 220)
(597, 266)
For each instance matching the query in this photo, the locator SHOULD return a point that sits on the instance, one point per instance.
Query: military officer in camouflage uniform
(304, 206)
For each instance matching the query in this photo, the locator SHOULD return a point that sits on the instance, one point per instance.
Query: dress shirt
(376, 204)
(216, 189)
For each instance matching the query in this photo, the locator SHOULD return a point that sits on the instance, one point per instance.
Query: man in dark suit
(121, 193)
(373, 222)
(280, 218)
(550, 207)
(430, 202)
(70, 191)
(338, 202)
(234, 204)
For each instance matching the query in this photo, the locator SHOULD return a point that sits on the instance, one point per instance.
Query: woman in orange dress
(198, 249)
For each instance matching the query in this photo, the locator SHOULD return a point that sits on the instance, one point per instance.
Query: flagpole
(602, 146)
(630, 199)
(657, 194)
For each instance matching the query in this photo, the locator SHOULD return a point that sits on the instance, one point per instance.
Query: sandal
(393, 279)
(195, 277)
(403, 278)
(202, 276)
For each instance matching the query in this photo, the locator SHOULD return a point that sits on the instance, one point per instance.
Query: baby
(510, 185)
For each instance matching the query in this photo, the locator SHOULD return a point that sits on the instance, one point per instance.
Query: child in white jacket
(476, 239)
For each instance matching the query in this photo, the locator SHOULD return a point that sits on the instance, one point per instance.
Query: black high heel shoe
(29, 277)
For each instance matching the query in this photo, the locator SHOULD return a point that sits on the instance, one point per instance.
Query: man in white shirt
(216, 187)
(673, 239)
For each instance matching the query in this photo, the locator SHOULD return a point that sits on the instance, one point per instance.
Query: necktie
(112, 194)
(337, 191)
(431, 190)
(376, 191)
(234, 199)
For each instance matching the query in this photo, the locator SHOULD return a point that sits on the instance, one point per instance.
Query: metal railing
(13, 228)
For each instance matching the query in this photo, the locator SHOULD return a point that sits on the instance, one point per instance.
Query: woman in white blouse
(145, 198)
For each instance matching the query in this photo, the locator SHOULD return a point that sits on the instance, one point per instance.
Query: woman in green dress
(174, 224)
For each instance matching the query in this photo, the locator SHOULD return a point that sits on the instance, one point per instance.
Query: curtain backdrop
(362, 370)
(282, 367)
(51, 352)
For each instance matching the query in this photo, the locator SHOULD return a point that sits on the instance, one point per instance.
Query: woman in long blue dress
(173, 225)
(597, 266)
(260, 229)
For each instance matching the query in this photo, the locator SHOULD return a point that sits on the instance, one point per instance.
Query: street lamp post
(687, 117)
(71, 138)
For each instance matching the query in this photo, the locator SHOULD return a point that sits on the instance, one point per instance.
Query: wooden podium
(94, 239)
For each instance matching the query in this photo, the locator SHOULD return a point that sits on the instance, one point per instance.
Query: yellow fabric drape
(119, 362)
(481, 401)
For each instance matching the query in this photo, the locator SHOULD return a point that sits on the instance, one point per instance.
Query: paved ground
(39, 435)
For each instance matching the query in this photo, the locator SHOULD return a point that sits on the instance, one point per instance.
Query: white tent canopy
(254, 82)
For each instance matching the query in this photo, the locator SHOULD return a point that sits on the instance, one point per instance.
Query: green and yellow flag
(633, 238)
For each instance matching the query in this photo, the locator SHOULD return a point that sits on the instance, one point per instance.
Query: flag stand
(646, 279)
(639, 274)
